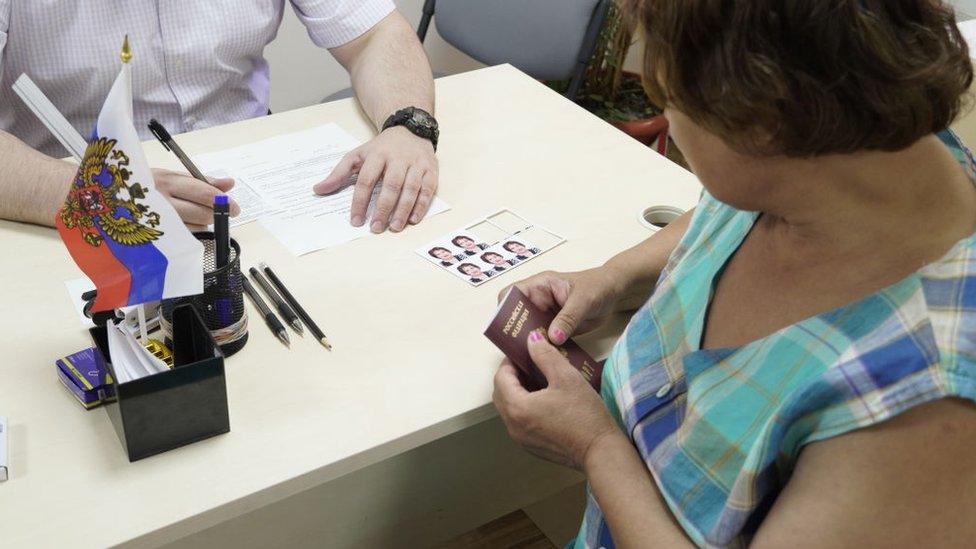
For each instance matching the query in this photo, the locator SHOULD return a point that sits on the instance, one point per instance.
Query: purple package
(85, 375)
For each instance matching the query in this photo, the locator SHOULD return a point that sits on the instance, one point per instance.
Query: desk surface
(410, 364)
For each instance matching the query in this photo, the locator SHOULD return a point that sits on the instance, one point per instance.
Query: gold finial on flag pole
(126, 52)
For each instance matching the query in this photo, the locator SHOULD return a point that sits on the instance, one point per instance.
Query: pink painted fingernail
(559, 335)
(535, 337)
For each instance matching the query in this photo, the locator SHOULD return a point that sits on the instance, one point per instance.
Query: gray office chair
(546, 39)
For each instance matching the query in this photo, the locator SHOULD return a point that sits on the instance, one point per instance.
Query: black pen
(312, 327)
(166, 140)
(269, 318)
(221, 209)
(283, 309)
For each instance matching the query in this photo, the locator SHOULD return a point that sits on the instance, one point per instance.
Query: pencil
(309, 323)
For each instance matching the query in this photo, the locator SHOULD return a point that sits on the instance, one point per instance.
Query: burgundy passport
(509, 330)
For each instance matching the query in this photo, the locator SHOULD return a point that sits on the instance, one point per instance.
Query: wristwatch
(418, 121)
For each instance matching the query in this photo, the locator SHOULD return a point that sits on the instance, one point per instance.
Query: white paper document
(130, 359)
(274, 180)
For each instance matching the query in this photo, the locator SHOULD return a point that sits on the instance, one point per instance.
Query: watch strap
(405, 117)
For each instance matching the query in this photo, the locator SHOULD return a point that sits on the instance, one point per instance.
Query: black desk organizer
(170, 409)
(222, 302)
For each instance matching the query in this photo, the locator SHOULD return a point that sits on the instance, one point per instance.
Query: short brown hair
(807, 78)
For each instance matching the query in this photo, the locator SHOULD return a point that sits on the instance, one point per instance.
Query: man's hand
(406, 167)
(192, 198)
(389, 71)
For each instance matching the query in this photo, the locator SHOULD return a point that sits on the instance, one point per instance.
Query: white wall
(966, 9)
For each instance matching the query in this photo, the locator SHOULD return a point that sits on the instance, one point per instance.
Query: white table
(410, 365)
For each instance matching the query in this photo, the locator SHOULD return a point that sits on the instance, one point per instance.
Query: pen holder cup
(177, 407)
(221, 305)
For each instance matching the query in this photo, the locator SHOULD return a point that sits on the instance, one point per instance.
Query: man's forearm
(389, 69)
(389, 72)
(32, 185)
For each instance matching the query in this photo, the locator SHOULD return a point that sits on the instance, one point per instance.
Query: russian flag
(117, 227)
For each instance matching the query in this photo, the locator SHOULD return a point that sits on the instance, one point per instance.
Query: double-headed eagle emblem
(100, 197)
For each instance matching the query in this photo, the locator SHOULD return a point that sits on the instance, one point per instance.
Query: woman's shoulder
(915, 338)
(906, 346)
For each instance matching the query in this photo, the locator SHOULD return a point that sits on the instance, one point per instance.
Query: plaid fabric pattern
(721, 430)
(198, 63)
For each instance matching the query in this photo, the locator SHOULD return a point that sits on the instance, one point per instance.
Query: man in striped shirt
(201, 64)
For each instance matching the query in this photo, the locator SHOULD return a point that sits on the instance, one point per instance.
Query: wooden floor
(515, 530)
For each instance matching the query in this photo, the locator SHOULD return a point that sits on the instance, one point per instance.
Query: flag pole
(143, 332)
(126, 56)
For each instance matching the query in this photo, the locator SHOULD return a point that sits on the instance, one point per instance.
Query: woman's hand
(192, 198)
(560, 423)
(583, 300)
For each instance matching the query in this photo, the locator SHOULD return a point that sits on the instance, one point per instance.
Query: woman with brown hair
(803, 369)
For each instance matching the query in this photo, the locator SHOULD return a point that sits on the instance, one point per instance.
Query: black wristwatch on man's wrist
(418, 121)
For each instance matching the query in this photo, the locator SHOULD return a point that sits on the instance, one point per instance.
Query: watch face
(421, 120)
(418, 121)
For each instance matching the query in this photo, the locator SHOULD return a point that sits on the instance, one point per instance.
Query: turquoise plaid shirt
(721, 430)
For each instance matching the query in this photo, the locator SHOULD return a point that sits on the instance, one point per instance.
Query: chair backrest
(543, 38)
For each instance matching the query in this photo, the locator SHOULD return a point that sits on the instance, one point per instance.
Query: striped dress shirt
(197, 63)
